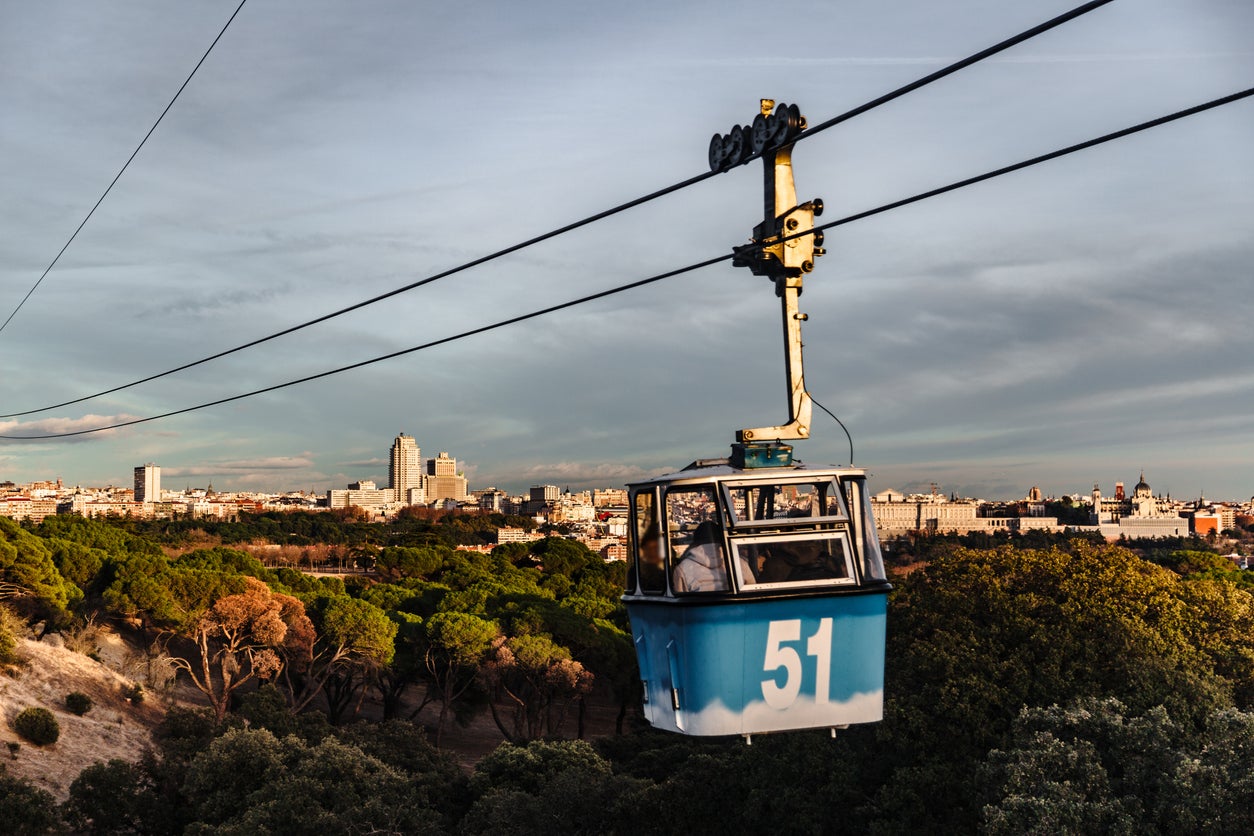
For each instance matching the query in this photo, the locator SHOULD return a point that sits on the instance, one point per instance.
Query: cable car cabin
(757, 599)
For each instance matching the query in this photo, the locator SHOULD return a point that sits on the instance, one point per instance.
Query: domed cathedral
(1141, 505)
(1141, 515)
(1143, 502)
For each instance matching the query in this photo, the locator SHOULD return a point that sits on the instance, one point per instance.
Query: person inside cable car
(652, 573)
(774, 565)
(804, 560)
(702, 568)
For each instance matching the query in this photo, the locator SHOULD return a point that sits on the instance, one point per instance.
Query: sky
(1069, 324)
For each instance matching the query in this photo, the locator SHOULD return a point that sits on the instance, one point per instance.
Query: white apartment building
(516, 535)
(405, 470)
(148, 483)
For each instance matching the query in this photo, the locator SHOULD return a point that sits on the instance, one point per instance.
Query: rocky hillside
(116, 727)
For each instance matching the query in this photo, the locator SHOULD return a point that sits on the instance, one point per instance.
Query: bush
(83, 637)
(11, 627)
(266, 709)
(38, 726)
(184, 733)
(25, 809)
(113, 797)
(78, 703)
(133, 694)
(531, 767)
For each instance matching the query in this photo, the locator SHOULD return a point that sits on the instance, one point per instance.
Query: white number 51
(778, 656)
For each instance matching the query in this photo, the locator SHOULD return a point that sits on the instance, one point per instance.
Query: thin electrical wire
(622, 207)
(815, 401)
(669, 274)
(122, 170)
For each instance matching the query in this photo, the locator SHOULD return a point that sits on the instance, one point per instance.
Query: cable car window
(778, 504)
(872, 557)
(698, 559)
(647, 547)
(770, 562)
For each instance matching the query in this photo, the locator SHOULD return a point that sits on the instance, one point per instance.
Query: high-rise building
(442, 465)
(148, 483)
(405, 473)
(545, 493)
(443, 481)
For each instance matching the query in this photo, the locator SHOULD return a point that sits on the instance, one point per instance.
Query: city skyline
(1069, 324)
(909, 486)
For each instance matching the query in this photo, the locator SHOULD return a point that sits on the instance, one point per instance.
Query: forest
(1046, 686)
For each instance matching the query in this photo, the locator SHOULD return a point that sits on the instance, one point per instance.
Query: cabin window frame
(736, 524)
(634, 530)
(717, 516)
(867, 539)
(843, 535)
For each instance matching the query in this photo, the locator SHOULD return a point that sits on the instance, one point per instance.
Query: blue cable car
(757, 599)
(756, 587)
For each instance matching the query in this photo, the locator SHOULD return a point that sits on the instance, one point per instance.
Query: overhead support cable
(590, 219)
(1071, 149)
(1052, 155)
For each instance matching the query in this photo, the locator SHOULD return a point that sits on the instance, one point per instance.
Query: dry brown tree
(243, 637)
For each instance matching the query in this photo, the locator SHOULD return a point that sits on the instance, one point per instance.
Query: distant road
(330, 572)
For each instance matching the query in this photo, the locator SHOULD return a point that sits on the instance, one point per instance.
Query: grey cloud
(243, 466)
(585, 474)
(1072, 316)
(271, 463)
(208, 302)
(40, 426)
(375, 462)
(180, 472)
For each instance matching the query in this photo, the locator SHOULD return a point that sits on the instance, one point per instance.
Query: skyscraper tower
(443, 481)
(442, 465)
(148, 483)
(405, 471)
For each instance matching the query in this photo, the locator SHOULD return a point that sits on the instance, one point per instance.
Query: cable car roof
(705, 470)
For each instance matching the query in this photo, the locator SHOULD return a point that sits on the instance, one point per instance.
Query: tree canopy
(1067, 686)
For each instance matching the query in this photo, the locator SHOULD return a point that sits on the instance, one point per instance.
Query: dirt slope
(114, 728)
